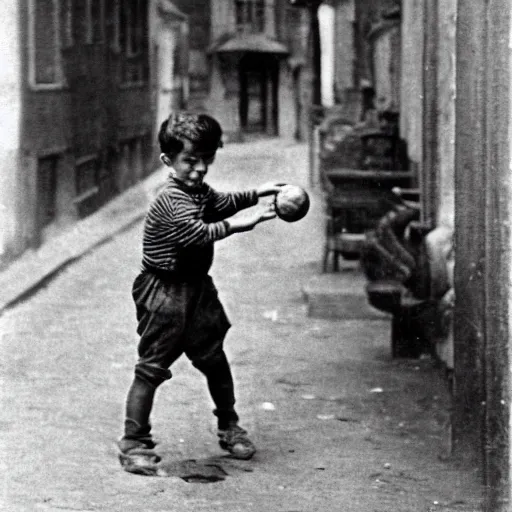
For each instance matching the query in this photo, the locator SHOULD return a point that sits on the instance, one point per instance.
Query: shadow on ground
(203, 471)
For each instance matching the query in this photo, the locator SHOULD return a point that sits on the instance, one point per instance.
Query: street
(338, 425)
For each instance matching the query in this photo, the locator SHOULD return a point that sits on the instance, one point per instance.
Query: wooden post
(430, 160)
(483, 289)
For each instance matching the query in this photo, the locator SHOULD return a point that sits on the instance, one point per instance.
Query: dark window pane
(46, 189)
(66, 23)
(45, 47)
(86, 176)
(250, 15)
(96, 21)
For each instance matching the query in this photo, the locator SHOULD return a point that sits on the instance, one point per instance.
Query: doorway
(258, 74)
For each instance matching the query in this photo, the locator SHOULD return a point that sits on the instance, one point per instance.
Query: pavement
(339, 425)
(36, 267)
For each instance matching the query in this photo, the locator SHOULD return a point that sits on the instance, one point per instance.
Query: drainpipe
(316, 49)
(312, 6)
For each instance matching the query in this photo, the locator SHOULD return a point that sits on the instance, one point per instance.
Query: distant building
(246, 58)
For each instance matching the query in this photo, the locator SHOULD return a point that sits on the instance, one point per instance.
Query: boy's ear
(165, 160)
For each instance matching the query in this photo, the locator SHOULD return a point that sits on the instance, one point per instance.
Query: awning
(243, 43)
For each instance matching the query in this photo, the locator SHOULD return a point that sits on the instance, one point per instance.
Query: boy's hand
(267, 189)
(247, 223)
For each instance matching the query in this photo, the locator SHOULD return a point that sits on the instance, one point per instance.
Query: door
(258, 94)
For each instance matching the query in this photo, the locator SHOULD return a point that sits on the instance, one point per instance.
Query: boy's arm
(173, 217)
(226, 204)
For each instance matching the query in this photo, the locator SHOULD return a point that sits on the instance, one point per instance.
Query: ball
(291, 203)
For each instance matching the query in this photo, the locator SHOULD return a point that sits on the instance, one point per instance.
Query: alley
(338, 424)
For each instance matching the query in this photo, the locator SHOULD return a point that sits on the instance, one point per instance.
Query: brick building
(77, 100)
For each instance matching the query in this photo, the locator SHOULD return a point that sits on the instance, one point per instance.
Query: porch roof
(240, 43)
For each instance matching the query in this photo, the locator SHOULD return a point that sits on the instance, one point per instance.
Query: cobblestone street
(339, 426)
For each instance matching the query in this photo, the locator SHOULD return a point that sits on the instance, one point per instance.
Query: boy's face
(191, 165)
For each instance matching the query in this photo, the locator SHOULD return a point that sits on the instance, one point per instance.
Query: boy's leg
(136, 447)
(139, 403)
(159, 346)
(205, 338)
(232, 437)
(220, 384)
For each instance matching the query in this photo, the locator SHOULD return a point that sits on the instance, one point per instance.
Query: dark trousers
(175, 318)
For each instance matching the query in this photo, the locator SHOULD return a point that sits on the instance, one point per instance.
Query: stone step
(340, 295)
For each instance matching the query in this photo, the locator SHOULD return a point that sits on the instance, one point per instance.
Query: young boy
(178, 309)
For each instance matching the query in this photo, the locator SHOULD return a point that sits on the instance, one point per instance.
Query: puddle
(194, 471)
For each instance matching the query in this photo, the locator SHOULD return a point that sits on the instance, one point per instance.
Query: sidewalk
(35, 268)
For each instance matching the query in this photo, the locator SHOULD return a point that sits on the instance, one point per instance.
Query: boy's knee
(153, 375)
(211, 361)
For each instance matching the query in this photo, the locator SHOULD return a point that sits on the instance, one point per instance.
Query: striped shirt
(180, 228)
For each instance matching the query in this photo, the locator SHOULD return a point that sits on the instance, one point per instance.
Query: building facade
(247, 59)
(78, 100)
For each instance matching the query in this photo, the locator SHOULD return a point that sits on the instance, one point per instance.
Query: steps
(340, 295)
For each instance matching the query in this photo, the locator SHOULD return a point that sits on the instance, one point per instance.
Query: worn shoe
(138, 458)
(235, 441)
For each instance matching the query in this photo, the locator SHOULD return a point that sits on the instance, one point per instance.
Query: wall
(446, 73)
(10, 114)
(411, 96)
(386, 66)
(345, 58)
(168, 36)
(326, 21)
(200, 15)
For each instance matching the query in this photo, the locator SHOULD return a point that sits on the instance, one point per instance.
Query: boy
(178, 309)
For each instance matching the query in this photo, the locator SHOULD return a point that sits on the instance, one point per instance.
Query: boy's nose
(200, 167)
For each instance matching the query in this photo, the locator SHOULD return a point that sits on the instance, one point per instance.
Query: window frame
(131, 48)
(60, 82)
(252, 14)
(89, 22)
(67, 35)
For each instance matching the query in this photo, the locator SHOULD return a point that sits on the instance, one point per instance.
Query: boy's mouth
(194, 183)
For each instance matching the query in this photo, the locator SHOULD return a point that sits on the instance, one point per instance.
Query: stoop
(340, 295)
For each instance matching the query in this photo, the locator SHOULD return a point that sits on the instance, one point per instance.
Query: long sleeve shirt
(181, 228)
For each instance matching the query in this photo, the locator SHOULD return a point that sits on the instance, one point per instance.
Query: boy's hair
(200, 129)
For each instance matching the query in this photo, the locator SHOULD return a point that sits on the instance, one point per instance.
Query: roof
(259, 43)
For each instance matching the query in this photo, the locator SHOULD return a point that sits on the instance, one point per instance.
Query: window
(94, 17)
(250, 15)
(45, 64)
(47, 190)
(132, 34)
(66, 23)
(86, 185)
(86, 175)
